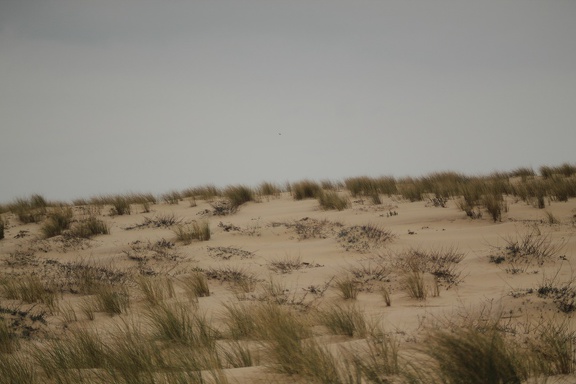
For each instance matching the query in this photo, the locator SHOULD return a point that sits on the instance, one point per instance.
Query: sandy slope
(264, 231)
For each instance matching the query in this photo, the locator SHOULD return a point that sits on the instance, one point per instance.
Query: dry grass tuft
(196, 285)
(347, 287)
(58, 221)
(89, 227)
(305, 189)
(332, 200)
(344, 320)
(195, 231)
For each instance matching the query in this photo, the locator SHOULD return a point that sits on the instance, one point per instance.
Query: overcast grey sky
(112, 96)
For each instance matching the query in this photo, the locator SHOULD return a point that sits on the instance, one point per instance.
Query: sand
(264, 232)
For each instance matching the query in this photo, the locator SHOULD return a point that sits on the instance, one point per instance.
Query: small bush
(495, 205)
(411, 189)
(269, 189)
(442, 263)
(196, 231)
(287, 264)
(165, 220)
(2, 227)
(58, 221)
(362, 185)
(363, 238)
(206, 192)
(347, 287)
(30, 210)
(305, 189)
(530, 248)
(120, 206)
(90, 227)
(413, 283)
(522, 172)
(238, 195)
(332, 200)
(172, 197)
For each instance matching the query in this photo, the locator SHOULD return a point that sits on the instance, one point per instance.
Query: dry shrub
(305, 189)
(442, 263)
(89, 227)
(527, 249)
(238, 195)
(347, 287)
(413, 283)
(195, 231)
(287, 264)
(332, 200)
(58, 221)
(364, 238)
(269, 189)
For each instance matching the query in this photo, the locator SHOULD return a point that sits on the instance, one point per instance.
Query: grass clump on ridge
(121, 206)
(31, 210)
(332, 200)
(172, 197)
(269, 189)
(58, 221)
(90, 227)
(238, 195)
(369, 186)
(305, 189)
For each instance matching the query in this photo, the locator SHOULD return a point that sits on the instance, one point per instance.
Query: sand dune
(305, 251)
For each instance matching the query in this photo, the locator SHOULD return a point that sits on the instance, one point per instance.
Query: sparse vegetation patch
(226, 253)
(309, 228)
(528, 249)
(363, 238)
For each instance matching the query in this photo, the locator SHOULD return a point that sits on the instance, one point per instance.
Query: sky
(117, 96)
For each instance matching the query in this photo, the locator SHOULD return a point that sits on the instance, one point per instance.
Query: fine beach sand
(305, 250)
